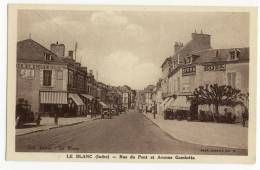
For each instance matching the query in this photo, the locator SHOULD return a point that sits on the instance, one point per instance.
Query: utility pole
(76, 47)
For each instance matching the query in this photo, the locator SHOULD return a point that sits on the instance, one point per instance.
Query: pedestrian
(244, 116)
(56, 119)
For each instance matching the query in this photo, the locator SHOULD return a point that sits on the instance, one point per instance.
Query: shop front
(89, 102)
(76, 106)
(53, 102)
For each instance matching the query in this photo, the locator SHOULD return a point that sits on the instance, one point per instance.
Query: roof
(194, 45)
(166, 60)
(220, 55)
(215, 56)
(191, 47)
(149, 88)
(31, 50)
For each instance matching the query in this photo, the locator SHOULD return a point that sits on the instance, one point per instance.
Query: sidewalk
(48, 123)
(204, 133)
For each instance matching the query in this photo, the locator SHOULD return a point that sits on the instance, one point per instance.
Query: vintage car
(25, 115)
(106, 112)
(114, 111)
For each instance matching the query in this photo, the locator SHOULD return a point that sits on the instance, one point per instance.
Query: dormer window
(234, 54)
(188, 60)
(48, 57)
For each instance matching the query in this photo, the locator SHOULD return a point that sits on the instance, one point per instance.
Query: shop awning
(53, 97)
(165, 101)
(169, 102)
(103, 105)
(181, 103)
(76, 99)
(87, 96)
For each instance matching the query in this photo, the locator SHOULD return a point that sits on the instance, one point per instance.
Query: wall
(28, 87)
(220, 77)
(173, 83)
(202, 77)
(242, 75)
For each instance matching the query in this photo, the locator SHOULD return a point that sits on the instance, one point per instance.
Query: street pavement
(130, 132)
(204, 133)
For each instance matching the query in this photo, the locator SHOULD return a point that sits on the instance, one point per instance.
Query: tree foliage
(222, 95)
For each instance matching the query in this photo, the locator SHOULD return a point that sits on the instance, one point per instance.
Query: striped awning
(53, 97)
(76, 99)
(169, 103)
(87, 96)
(165, 101)
(103, 105)
(181, 103)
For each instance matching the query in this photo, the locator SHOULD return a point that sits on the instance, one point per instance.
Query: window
(47, 77)
(188, 60)
(234, 55)
(60, 75)
(70, 81)
(48, 57)
(75, 80)
(231, 79)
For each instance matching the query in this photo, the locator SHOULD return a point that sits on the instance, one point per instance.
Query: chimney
(58, 49)
(84, 68)
(77, 64)
(70, 54)
(177, 46)
(203, 39)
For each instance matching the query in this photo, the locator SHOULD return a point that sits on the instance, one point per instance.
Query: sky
(128, 47)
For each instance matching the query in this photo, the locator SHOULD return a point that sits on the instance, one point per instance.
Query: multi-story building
(158, 96)
(126, 96)
(140, 100)
(41, 77)
(148, 93)
(197, 64)
(54, 83)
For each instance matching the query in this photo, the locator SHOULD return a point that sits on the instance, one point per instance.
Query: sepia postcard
(161, 84)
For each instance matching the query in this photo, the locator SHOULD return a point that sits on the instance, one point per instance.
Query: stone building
(197, 64)
(55, 83)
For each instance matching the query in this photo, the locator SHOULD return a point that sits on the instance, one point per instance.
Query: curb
(182, 140)
(55, 127)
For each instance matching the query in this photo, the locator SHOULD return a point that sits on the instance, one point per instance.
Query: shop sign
(191, 70)
(38, 66)
(215, 67)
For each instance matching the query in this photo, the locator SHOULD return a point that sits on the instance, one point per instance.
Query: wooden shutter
(41, 77)
(53, 80)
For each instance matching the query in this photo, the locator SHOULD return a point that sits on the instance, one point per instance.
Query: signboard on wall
(215, 67)
(190, 70)
(34, 66)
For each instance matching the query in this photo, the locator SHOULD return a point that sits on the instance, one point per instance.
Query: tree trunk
(217, 112)
(213, 115)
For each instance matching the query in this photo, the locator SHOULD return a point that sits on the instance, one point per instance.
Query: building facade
(197, 64)
(56, 84)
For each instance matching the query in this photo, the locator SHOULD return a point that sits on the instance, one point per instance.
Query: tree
(223, 95)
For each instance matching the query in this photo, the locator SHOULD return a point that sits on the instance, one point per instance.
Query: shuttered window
(47, 77)
(231, 79)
